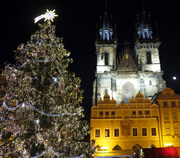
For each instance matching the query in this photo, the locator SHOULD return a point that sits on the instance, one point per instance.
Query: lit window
(107, 133)
(144, 131)
(173, 104)
(116, 132)
(176, 131)
(101, 113)
(153, 131)
(174, 114)
(140, 112)
(134, 112)
(166, 116)
(165, 104)
(147, 112)
(135, 132)
(97, 133)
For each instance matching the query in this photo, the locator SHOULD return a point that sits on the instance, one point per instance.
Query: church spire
(106, 31)
(143, 27)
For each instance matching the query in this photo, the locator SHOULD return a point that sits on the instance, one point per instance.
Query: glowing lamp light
(174, 77)
(103, 147)
(168, 144)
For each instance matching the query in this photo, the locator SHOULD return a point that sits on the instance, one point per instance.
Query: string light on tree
(42, 98)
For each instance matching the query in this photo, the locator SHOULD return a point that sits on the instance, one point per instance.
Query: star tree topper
(49, 15)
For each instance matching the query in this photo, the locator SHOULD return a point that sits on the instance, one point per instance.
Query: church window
(153, 131)
(116, 132)
(174, 114)
(135, 132)
(134, 112)
(166, 116)
(150, 82)
(144, 131)
(176, 131)
(148, 58)
(147, 112)
(165, 104)
(107, 133)
(173, 104)
(101, 113)
(106, 58)
(97, 133)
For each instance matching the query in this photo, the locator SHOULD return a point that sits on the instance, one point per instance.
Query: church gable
(127, 63)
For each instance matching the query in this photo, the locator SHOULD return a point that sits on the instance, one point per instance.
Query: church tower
(147, 50)
(106, 44)
(122, 76)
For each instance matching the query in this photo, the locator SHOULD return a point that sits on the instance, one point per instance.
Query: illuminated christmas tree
(41, 112)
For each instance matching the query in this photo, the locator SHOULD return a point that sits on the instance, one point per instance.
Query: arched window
(148, 58)
(106, 60)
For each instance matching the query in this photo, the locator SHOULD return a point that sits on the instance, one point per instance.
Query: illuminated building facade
(124, 75)
(169, 105)
(122, 129)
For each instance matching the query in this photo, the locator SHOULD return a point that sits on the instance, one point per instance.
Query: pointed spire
(115, 33)
(105, 6)
(156, 32)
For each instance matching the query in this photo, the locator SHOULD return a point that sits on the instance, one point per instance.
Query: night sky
(76, 23)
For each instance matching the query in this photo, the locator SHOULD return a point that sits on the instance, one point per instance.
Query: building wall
(139, 114)
(169, 103)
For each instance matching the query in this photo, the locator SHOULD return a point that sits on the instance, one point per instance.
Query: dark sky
(77, 24)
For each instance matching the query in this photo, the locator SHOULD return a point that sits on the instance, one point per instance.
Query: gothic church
(122, 77)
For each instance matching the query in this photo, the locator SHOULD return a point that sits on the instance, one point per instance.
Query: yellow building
(123, 129)
(169, 105)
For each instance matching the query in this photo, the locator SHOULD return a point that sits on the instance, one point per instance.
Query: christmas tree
(41, 115)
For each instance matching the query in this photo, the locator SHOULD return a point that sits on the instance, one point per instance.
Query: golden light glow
(103, 147)
(168, 144)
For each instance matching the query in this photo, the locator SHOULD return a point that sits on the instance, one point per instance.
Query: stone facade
(123, 76)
